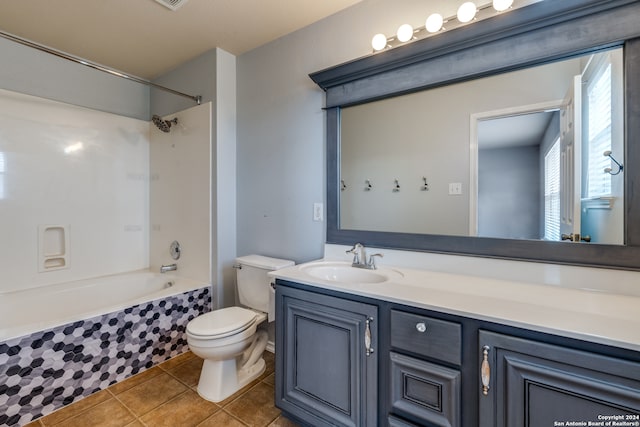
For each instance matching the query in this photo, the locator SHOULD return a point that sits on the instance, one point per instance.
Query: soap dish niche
(53, 247)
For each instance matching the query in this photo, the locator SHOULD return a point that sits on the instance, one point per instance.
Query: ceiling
(146, 39)
(513, 131)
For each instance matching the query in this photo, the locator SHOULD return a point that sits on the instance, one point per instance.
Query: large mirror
(497, 156)
(386, 189)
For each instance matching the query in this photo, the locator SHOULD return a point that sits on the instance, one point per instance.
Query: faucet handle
(356, 251)
(372, 261)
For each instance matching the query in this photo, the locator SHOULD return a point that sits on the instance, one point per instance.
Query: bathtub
(62, 342)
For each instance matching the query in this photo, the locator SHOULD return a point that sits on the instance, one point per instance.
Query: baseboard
(271, 347)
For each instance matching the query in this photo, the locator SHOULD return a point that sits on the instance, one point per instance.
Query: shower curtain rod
(8, 36)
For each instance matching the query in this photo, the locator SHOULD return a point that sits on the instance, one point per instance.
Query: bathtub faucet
(168, 267)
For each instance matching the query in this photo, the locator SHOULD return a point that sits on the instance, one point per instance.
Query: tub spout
(168, 267)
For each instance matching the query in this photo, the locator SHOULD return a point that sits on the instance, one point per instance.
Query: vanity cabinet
(424, 391)
(347, 360)
(538, 385)
(326, 359)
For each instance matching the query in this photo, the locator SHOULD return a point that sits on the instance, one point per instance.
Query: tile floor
(165, 395)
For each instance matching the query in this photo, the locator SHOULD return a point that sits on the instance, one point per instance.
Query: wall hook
(425, 186)
(367, 186)
(397, 186)
(343, 186)
(608, 170)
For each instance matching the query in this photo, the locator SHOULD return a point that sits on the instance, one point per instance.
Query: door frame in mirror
(544, 32)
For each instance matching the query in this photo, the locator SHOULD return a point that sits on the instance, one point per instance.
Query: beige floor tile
(239, 393)
(135, 380)
(109, 413)
(283, 421)
(270, 379)
(270, 360)
(187, 409)
(188, 372)
(256, 407)
(75, 408)
(270, 364)
(269, 369)
(220, 419)
(152, 393)
(177, 360)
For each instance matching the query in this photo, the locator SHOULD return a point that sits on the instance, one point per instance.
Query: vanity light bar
(467, 12)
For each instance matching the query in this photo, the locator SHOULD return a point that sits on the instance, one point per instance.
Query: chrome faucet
(168, 267)
(360, 257)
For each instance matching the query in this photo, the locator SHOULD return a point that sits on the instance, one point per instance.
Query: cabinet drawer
(425, 392)
(423, 335)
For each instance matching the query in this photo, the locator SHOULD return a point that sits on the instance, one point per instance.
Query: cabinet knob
(421, 327)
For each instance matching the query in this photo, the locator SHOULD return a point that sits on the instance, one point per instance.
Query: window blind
(552, 192)
(599, 133)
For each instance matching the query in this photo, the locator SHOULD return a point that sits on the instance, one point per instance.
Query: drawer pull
(485, 370)
(421, 327)
(367, 336)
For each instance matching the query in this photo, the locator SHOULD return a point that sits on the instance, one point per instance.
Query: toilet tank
(254, 285)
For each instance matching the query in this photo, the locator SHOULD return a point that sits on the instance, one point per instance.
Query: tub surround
(595, 305)
(47, 370)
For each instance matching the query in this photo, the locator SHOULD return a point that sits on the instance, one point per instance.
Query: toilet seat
(221, 323)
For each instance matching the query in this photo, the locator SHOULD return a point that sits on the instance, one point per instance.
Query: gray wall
(194, 77)
(509, 193)
(281, 165)
(33, 72)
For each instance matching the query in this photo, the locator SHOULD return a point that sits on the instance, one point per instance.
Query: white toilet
(228, 339)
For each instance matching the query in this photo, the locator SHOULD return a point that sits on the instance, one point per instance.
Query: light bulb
(405, 33)
(467, 11)
(434, 23)
(379, 42)
(502, 5)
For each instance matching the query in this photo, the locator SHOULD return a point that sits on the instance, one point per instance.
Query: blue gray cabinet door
(535, 384)
(326, 359)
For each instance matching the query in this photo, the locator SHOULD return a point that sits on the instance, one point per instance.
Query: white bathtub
(63, 342)
(32, 310)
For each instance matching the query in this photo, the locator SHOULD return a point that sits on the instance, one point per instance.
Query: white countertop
(599, 316)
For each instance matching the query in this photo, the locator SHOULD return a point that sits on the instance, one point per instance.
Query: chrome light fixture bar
(197, 99)
(435, 23)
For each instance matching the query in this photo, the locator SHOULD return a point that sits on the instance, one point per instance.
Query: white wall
(99, 191)
(102, 191)
(212, 75)
(180, 193)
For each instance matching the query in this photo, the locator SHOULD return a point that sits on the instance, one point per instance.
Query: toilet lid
(223, 322)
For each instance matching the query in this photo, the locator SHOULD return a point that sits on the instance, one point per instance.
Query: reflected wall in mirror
(516, 155)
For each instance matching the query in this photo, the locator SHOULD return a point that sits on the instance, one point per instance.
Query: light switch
(318, 212)
(455, 188)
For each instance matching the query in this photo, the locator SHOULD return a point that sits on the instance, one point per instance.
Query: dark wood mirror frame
(536, 34)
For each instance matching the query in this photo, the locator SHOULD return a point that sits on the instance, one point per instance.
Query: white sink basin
(340, 272)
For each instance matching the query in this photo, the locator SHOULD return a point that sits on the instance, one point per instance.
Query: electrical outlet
(455, 188)
(318, 212)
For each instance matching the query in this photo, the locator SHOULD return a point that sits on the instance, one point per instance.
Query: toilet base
(220, 379)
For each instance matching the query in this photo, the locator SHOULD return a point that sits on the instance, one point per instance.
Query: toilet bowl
(228, 339)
